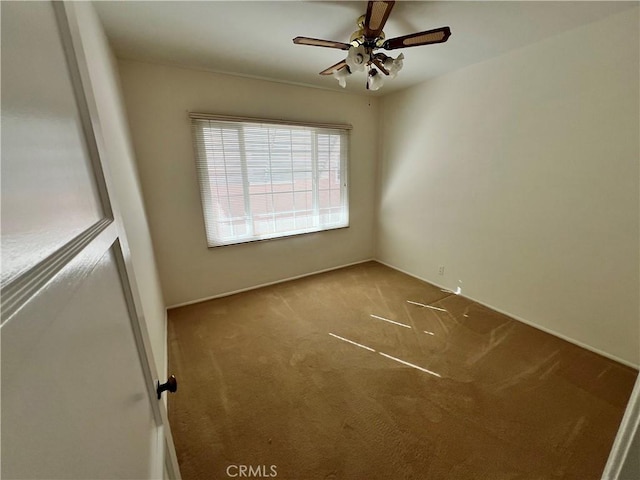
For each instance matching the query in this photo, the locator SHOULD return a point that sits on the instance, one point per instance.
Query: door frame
(629, 429)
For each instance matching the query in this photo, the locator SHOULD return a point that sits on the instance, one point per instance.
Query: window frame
(204, 163)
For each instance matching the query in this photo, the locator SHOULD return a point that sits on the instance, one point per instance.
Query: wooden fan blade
(437, 35)
(376, 17)
(316, 42)
(337, 66)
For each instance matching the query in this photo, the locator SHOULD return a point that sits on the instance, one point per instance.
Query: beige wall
(126, 191)
(158, 99)
(521, 176)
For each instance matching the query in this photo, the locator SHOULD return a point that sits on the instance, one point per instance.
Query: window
(260, 179)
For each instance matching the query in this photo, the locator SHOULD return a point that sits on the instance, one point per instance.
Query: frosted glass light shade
(375, 80)
(341, 75)
(357, 59)
(393, 66)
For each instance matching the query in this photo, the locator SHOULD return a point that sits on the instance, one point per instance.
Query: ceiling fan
(364, 43)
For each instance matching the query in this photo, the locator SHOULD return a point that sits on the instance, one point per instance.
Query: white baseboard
(527, 322)
(254, 287)
(515, 317)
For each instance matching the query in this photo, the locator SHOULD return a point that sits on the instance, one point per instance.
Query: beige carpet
(367, 373)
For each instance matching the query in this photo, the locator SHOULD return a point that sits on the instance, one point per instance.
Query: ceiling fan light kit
(361, 51)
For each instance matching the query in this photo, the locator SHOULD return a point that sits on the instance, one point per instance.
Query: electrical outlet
(441, 270)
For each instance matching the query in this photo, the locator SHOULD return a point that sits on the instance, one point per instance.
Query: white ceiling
(253, 38)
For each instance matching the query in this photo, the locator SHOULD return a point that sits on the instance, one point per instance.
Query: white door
(78, 388)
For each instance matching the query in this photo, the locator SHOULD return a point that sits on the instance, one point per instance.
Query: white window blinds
(262, 180)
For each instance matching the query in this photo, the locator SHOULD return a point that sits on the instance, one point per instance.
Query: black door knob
(171, 385)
